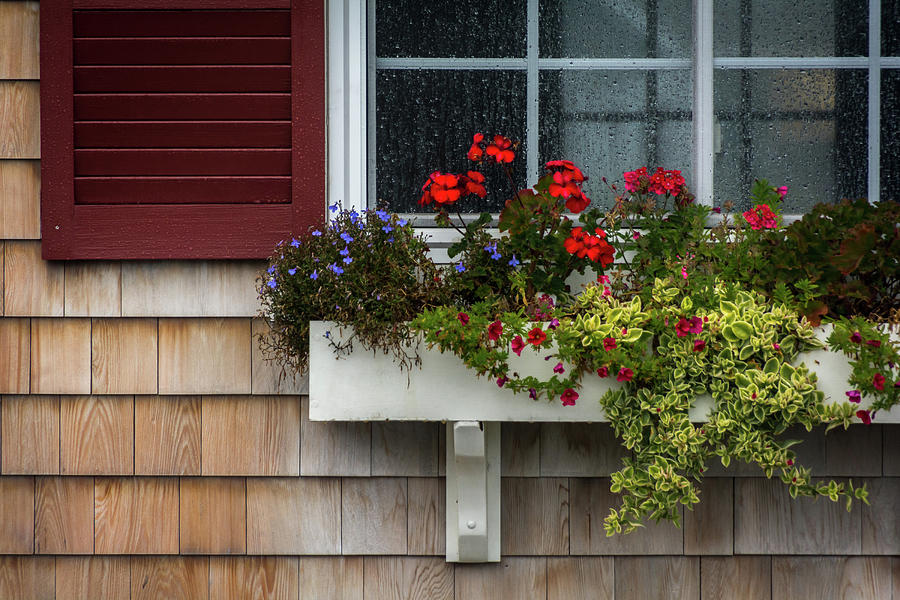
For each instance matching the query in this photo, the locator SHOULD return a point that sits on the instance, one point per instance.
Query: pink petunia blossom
(517, 345)
(864, 416)
(856, 338)
(878, 382)
(699, 345)
(853, 396)
(603, 371)
(501, 381)
(495, 330)
(559, 368)
(609, 344)
(874, 343)
(463, 318)
(569, 397)
(625, 374)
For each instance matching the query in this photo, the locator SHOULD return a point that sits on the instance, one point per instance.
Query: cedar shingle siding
(147, 451)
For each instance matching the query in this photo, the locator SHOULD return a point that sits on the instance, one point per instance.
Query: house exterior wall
(148, 451)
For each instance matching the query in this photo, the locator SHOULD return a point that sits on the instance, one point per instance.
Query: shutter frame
(177, 231)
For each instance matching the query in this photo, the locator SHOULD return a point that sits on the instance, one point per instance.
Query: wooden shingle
(405, 448)
(33, 287)
(709, 527)
(407, 578)
(61, 356)
(736, 578)
(534, 516)
(844, 447)
(64, 515)
(890, 450)
(293, 515)
(213, 515)
(136, 515)
(29, 435)
(334, 448)
(29, 577)
(768, 521)
(427, 529)
(670, 577)
(881, 517)
(190, 288)
(257, 577)
(591, 502)
(267, 376)
(96, 435)
(93, 289)
(80, 577)
(510, 579)
(123, 356)
(19, 40)
(20, 133)
(15, 345)
(339, 578)
(167, 435)
(16, 515)
(270, 425)
(580, 578)
(204, 356)
(169, 577)
(520, 449)
(579, 450)
(373, 516)
(20, 197)
(860, 577)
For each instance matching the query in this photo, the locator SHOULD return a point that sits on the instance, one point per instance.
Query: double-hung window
(802, 92)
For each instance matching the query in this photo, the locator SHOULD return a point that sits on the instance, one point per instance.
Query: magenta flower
(781, 191)
(495, 329)
(776, 346)
(559, 368)
(609, 344)
(517, 345)
(569, 397)
(873, 343)
(501, 381)
(699, 345)
(463, 318)
(864, 416)
(554, 323)
(625, 374)
(532, 393)
(684, 327)
(603, 372)
(878, 382)
(635, 235)
(853, 396)
(856, 338)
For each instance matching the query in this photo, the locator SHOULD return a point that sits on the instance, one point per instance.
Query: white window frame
(352, 66)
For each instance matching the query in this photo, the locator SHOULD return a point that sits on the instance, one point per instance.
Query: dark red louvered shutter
(178, 129)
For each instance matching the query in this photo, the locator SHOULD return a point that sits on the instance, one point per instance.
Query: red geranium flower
(569, 397)
(474, 182)
(594, 247)
(500, 149)
(495, 329)
(475, 152)
(536, 336)
(566, 183)
(625, 374)
(517, 345)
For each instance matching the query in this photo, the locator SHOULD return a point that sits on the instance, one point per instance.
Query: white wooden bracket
(473, 491)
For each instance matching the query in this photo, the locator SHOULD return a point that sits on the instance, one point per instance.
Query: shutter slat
(182, 190)
(183, 79)
(184, 51)
(182, 162)
(178, 4)
(182, 23)
(183, 134)
(171, 107)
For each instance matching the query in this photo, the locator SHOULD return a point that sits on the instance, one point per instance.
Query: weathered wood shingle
(29, 435)
(374, 515)
(27, 577)
(534, 516)
(427, 529)
(16, 515)
(80, 577)
(32, 287)
(204, 356)
(670, 577)
(258, 577)
(19, 40)
(331, 578)
(20, 134)
(93, 289)
(169, 577)
(860, 578)
(580, 578)
(334, 448)
(167, 435)
(736, 578)
(213, 515)
(510, 579)
(407, 578)
(61, 356)
(136, 515)
(64, 515)
(96, 435)
(15, 344)
(293, 515)
(20, 196)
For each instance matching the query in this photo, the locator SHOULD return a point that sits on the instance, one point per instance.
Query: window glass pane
(462, 28)
(805, 129)
(609, 122)
(890, 135)
(791, 28)
(425, 120)
(890, 27)
(615, 29)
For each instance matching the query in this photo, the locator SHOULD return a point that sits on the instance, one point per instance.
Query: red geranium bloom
(566, 183)
(475, 152)
(500, 149)
(864, 416)
(517, 345)
(603, 371)
(761, 217)
(609, 344)
(536, 336)
(474, 182)
(495, 329)
(569, 397)
(878, 382)
(463, 318)
(594, 247)
(625, 374)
